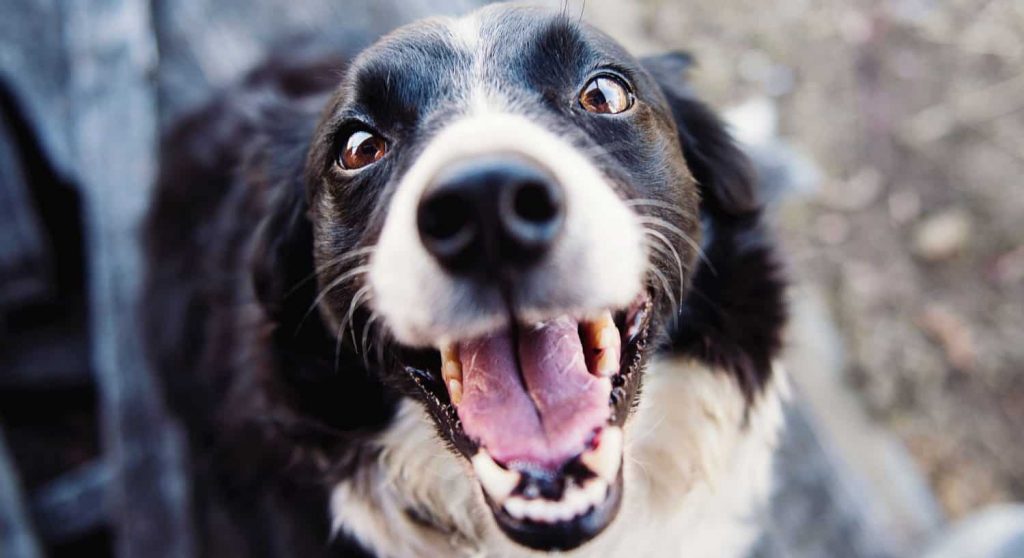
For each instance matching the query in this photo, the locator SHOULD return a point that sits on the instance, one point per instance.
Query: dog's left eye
(362, 148)
(606, 95)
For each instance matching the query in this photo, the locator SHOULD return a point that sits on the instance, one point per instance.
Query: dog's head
(506, 217)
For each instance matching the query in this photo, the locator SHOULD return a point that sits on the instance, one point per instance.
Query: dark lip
(634, 323)
(563, 535)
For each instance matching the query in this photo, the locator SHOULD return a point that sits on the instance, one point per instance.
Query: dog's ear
(733, 318)
(723, 171)
(327, 381)
(282, 254)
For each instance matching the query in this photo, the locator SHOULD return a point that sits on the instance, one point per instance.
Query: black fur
(734, 316)
(277, 409)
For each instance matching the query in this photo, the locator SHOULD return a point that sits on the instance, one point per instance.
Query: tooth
(451, 371)
(575, 500)
(607, 364)
(551, 512)
(534, 509)
(596, 490)
(455, 391)
(497, 481)
(516, 507)
(564, 512)
(604, 460)
(604, 344)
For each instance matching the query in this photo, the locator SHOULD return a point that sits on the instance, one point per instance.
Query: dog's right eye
(606, 94)
(361, 149)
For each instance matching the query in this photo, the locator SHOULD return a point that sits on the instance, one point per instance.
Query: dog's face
(503, 221)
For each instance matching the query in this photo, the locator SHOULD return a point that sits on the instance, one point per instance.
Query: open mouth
(538, 410)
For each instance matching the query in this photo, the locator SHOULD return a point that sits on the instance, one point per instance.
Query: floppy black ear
(733, 317)
(282, 255)
(326, 381)
(723, 171)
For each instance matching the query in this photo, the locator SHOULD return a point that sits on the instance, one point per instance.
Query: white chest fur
(696, 478)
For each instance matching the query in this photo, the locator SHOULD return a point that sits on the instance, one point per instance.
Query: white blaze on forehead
(597, 263)
(466, 31)
(466, 34)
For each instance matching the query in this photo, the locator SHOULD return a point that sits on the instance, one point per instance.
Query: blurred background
(890, 136)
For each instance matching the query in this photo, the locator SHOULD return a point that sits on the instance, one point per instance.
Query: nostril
(531, 215)
(534, 202)
(447, 228)
(444, 216)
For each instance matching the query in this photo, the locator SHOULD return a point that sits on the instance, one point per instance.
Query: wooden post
(17, 538)
(112, 58)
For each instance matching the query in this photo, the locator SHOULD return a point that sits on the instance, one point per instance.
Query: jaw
(537, 410)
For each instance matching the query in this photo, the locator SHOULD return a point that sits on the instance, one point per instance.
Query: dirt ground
(914, 112)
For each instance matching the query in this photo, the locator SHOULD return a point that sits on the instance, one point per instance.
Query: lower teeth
(577, 498)
(576, 501)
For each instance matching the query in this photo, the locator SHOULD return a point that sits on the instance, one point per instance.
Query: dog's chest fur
(697, 465)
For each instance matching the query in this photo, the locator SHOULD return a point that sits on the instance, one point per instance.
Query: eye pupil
(361, 149)
(606, 95)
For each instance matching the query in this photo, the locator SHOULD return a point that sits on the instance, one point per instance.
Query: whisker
(331, 263)
(362, 292)
(382, 341)
(365, 336)
(679, 262)
(335, 283)
(337, 346)
(669, 227)
(650, 219)
(353, 305)
(666, 287)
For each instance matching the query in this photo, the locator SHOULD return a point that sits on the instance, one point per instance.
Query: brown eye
(361, 149)
(606, 95)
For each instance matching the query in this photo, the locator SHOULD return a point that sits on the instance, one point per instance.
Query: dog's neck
(694, 467)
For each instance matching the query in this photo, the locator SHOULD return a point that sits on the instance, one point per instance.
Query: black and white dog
(491, 287)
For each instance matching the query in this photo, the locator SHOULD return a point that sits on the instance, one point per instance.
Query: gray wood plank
(17, 539)
(33, 66)
(113, 122)
(73, 504)
(25, 260)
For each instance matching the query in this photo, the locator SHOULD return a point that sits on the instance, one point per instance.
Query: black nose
(490, 213)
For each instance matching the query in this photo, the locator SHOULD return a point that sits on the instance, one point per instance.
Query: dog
(490, 286)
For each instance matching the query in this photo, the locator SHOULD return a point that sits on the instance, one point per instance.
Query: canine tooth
(455, 391)
(607, 363)
(451, 366)
(451, 371)
(604, 460)
(604, 343)
(601, 332)
(496, 480)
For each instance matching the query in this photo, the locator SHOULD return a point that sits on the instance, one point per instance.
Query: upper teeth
(602, 344)
(451, 371)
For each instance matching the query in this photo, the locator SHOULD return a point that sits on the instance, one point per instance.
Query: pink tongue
(549, 421)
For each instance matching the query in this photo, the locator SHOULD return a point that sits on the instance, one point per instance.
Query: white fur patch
(695, 479)
(597, 263)
(466, 31)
